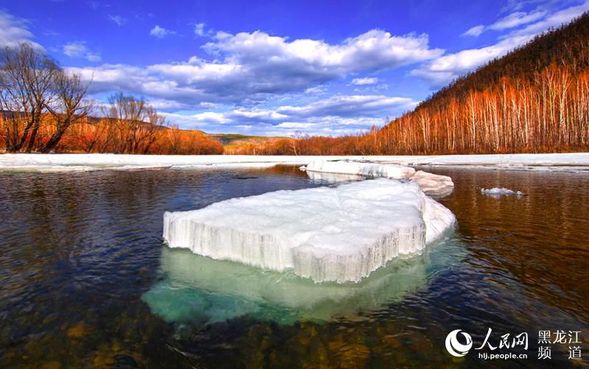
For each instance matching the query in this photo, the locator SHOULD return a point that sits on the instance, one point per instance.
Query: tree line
(44, 108)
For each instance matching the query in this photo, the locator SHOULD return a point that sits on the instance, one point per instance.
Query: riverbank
(90, 162)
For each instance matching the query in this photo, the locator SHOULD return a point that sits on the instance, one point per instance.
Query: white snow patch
(326, 234)
(33, 162)
(500, 191)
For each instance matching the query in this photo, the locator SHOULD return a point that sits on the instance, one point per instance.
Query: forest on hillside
(535, 99)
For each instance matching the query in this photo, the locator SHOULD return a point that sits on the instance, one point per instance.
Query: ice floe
(500, 191)
(327, 234)
(365, 169)
(332, 178)
(332, 171)
(435, 185)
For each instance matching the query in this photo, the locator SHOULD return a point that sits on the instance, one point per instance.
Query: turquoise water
(199, 288)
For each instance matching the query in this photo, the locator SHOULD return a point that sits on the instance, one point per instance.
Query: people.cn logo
(456, 348)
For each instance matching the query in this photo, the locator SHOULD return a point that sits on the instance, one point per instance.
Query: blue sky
(277, 67)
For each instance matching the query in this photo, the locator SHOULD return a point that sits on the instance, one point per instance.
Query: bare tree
(26, 78)
(136, 124)
(68, 107)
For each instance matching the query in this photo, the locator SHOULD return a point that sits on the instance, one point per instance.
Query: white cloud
(117, 19)
(474, 31)
(449, 67)
(350, 106)
(14, 31)
(510, 21)
(364, 81)
(446, 68)
(79, 50)
(254, 66)
(315, 90)
(554, 19)
(517, 19)
(160, 32)
(337, 115)
(373, 50)
(199, 29)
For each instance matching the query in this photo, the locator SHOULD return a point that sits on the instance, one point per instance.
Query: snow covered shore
(327, 234)
(63, 162)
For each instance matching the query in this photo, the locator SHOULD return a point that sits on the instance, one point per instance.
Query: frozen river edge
(571, 162)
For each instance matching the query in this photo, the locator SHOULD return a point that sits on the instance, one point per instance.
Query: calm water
(85, 281)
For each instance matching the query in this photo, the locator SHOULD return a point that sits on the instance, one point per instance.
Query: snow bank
(563, 162)
(93, 162)
(326, 234)
(500, 191)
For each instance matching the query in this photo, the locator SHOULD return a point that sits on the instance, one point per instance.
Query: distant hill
(237, 144)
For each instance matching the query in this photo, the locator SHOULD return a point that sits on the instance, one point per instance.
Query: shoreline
(571, 162)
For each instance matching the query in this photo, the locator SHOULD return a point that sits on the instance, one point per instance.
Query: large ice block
(366, 169)
(435, 185)
(326, 234)
(341, 170)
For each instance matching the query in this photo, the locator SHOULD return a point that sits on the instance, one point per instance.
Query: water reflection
(197, 288)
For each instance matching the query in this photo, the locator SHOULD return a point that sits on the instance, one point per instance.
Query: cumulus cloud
(365, 81)
(14, 31)
(160, 32)
(373, 50)
(254, 66)
(448, 67)
(79, 50)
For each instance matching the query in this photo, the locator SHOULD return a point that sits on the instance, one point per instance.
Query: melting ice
(326, 234)
(332, 171)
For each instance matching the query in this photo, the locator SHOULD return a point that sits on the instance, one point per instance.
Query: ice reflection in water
(197, 288)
